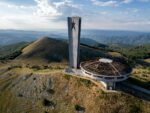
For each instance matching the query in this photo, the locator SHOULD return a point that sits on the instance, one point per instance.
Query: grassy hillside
(10, 52)
(139, 52)
(37, 87)
(119, 45)
(132, 53)
(45, 49)
(88, 41)
(49, 50)
(25, 90)
(54, 50)
(5, 50)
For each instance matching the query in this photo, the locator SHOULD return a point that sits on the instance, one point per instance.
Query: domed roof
(106, 67)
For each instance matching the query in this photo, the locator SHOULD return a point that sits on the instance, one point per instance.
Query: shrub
(20, 95)
(67, 76)
(58, 67)
(102, 92)
(16, 67)
(144, 75)
(51, 91)
(50, 67)
(76, 107)
(87, 83)
(34, 78)
(35, 67)
(116, 109)
(134, 107)
(45, 67)
(103, 96)
(45, 102)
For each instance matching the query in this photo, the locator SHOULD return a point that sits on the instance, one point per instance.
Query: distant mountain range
(89, 37)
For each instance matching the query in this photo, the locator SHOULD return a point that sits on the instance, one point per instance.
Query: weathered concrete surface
(74, 28)
(76, 71)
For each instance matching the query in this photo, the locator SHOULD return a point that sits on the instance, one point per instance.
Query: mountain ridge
(100, 36)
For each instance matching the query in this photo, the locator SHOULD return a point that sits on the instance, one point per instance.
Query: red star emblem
(73, 25)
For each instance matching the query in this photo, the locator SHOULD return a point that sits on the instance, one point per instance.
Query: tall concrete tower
(74, 29)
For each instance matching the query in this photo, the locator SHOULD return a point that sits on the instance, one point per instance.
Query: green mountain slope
(138, 52)
(119, 45)
(10, 52)
(46, 49)
(5, 50)
(54, 50)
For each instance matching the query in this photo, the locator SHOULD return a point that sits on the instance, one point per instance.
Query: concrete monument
(74, 29)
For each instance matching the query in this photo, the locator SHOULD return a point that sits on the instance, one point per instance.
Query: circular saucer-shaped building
(106, 70)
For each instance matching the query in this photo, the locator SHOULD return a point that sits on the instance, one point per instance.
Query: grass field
(147, 60)
(60, 93)
(115, 54)
(141, 76)
(34, 83)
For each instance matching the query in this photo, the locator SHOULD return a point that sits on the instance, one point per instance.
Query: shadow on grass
(131, 91)
(50, 91)
(143, 63)
(140, 83)
(46, 102)
(79, 108)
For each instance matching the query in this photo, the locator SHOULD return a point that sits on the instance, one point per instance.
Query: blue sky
(96, 14)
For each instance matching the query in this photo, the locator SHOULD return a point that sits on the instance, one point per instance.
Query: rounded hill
(46, 49)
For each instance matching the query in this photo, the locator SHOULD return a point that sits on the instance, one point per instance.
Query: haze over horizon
(131, 15)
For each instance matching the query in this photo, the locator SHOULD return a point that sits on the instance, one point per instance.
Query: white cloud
(46, 8)
(56, 10)
(110, 2)
(47, 14)
(126, 1)
(134, 10)
(29, 22)
(144, 0)
(19, 7)
(104, 13)
(114, 22)
(41, 16)
(58, 4)
(8, 5)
